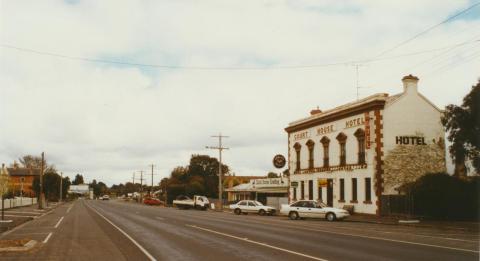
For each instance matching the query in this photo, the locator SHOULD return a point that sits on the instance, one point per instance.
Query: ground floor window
(295, 193)
(310, 189)
(354, 190)
(320, 196)
(368, 190)
(342, 190)
(302, 189)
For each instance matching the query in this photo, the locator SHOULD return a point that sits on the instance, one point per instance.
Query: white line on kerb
(47, 238)
(58, 223)
(125, 234)
(257, 243)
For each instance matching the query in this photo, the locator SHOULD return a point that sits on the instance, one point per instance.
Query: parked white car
(252, 206)
(312, 209)
(198, 202)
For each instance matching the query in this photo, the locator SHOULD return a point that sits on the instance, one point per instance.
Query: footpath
(14, 217)
(415, 222)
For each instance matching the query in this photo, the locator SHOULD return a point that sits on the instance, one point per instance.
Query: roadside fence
(18, 202)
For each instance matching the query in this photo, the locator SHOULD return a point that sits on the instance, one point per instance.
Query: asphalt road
(117, 230)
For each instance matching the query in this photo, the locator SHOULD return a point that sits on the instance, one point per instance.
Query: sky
(106, 88)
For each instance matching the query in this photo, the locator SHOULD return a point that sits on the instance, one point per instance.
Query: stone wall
(406, 163)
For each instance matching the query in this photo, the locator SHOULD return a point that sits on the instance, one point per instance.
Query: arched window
(342, 140)
(325, 144)
(310, 145)
(360, 134)
(297, 148)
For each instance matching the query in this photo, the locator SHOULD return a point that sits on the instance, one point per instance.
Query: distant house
(21, 180)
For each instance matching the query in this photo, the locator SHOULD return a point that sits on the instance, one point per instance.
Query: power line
(445, 52)
(427, 30)
(172, 67)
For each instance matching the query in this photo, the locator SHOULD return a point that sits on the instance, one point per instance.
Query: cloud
(108, 120)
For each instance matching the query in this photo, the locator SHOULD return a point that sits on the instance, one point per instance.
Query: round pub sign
(279, 161)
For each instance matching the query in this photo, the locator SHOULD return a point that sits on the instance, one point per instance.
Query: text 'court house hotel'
(358, 152)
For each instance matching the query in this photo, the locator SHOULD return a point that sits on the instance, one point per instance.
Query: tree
(199, 177)
(35, 162)
(463, 126)
(78, 180)
(272, 175)
(51, 185)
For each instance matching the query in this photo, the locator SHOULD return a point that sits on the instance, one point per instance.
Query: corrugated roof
(371, 98)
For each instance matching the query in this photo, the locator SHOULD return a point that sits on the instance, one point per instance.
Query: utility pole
(151, 188)
(141, 186)
(61, 186)
(133, 178)
(220, 148)
(41, 196)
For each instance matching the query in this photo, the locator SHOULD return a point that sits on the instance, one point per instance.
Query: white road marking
(125, 234)
(160, 218)
(47, 238)
(70, 208)
(381, 238)
(257, 243)
(19, 216)
(26, 212)
(58, 223)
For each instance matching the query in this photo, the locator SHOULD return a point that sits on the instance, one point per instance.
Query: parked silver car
(312, 209)
(252, 206)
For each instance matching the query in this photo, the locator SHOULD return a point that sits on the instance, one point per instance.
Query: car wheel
(293, 215)
(331, 216)
(237, 211)
(261, 212)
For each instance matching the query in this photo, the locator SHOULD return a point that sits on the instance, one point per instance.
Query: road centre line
(396, 231)
(364, 236)
(378, 231)
(47, 238)
(58, 223)
(124, 233)
(70, 208)
(256, 243)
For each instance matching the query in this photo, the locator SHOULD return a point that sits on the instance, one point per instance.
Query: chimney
(315, 111)
(410, 83)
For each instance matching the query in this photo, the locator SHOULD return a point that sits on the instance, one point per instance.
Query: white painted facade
(382, 118)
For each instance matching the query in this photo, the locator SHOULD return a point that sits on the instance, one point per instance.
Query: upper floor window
(342, 140)
(297, 148)
(325, 144)
(310, 145)
(360, 134)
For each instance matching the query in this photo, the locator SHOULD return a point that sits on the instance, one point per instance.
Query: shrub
(439, 195)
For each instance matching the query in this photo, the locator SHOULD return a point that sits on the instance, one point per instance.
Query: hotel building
(358, 152)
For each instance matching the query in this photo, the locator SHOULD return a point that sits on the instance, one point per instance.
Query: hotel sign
(332, 127)
(271, 182)
(367, 131)
(410, 140)
(322, 183)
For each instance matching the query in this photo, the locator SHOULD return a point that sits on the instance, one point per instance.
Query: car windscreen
(258, 203)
